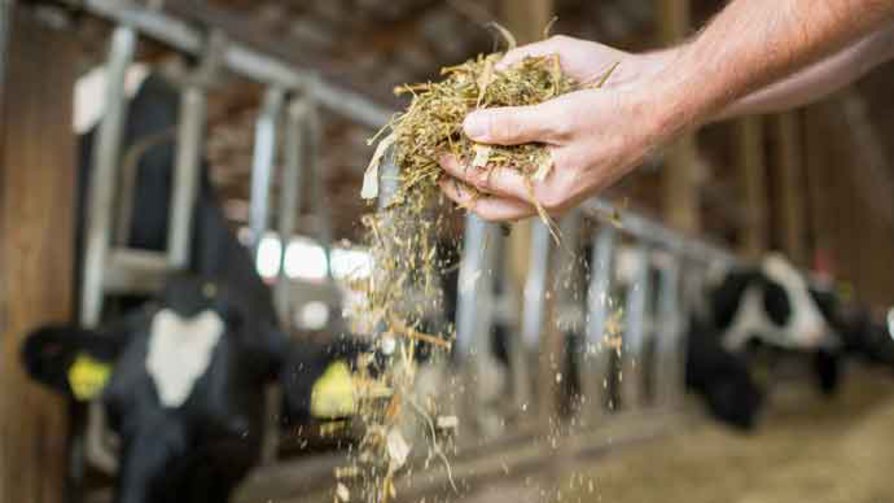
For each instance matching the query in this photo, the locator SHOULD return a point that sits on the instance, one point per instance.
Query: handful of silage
(404, 290)
(432, 125)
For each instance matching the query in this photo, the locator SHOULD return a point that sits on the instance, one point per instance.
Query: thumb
(509, 125)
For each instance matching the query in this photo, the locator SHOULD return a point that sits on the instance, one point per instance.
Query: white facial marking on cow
(749, 320)
(180, 351)
(891, 322)
(805, 327)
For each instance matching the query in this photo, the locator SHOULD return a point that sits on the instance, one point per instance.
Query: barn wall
(37, 180)
(847, 224)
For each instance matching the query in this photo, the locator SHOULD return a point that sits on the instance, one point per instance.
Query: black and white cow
(181, 375)
(185, 393)
(773, 307)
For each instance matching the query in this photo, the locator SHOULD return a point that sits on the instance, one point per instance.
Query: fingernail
(475, 126)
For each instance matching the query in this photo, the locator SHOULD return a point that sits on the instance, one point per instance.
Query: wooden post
(527, 19)
(752, 183)
(37, 191)
(788, 173)
(681, 191)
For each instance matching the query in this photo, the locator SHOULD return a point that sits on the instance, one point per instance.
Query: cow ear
(70, 360)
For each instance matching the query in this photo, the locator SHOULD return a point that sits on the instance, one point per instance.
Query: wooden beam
(681, 180)
(752, 183)
(788, 174)
(37, 188)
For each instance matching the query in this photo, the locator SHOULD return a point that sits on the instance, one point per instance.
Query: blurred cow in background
(772, 308)
(182, 375)
(184, 389)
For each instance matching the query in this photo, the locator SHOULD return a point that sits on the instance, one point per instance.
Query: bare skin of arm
(819, 79)
(597, 136)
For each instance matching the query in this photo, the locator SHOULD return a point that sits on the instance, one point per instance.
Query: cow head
(184, 387)
(771, 303)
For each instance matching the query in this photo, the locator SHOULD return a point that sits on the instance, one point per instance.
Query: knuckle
(550, 200)
(560, 159)
(480, 178)
(561, 121)
(561, 127)
(559, 39)
(503, 126)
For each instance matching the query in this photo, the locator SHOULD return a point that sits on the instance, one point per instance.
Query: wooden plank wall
(682, 196)
(751, 173)
(37, 181)
(846, 224)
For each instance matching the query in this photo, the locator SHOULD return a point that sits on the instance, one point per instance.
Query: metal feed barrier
(643, 297)
(598, 334)
(612, 268)
(292, 98)
(554, 328)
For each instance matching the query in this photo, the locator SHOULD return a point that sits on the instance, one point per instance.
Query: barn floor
(807, 449)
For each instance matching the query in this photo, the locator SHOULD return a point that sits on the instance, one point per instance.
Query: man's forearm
(819, 79)
(753, 43)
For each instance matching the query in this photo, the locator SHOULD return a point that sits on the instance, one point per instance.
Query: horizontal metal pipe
(241, 59)
(652, 232)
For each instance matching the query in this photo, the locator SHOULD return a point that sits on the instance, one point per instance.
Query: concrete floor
(808, 449)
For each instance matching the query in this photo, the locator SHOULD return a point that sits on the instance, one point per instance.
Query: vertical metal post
(100, 197)
(595, 360)
(534, 308)
(6, 8)
(669, 373)
(190, 135)
(264, 157)
(568, 272)
(290, 197)
(475, 285)
(388, 180)
(106, 157)
(635, 331)
(474, 320)
(530, 348)
(318, 188)
(569, 309)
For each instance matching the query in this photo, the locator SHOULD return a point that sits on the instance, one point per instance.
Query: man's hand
(587, 61)
(595, 137)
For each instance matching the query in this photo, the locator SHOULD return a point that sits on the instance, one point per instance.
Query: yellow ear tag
(333, 393)
(87, 377)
